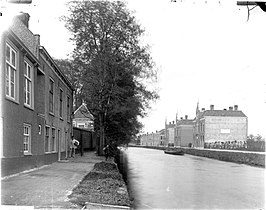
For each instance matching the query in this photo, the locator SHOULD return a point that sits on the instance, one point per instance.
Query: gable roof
(83, 112)
(222, 113)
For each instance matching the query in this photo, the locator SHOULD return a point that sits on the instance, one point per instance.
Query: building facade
(83, 118)
(184, 132)
(36, 102)
(219, 126)
(153, 139)
(170, 136)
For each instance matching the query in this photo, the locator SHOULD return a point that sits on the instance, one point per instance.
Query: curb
(104, 205)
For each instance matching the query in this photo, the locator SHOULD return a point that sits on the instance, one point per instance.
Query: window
(51, 96)
(27, 139)
(81, 125)
(40, 130)
(11, 72)
(61, 103)
(68, 108)
(53, 141)
(47, 137)
(28, 77)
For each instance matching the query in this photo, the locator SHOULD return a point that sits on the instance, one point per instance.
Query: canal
(161, 181)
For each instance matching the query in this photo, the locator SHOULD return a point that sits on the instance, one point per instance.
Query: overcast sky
(205, 52)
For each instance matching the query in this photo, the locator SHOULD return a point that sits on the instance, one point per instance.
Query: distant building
(83, 118)
(219, 126)
(170, 133)
(152, 139)
(35, 100)
(184, 132)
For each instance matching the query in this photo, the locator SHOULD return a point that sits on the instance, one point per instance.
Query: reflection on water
(158, 180)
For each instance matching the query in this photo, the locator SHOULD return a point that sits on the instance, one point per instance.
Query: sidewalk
(48, 186)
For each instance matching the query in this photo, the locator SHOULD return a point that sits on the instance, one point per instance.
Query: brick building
(83, 118)
(35, 99)
(219, 126)
(170, 133)
(184, 132)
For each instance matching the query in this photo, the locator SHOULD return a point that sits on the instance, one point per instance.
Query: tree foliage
(114, 67)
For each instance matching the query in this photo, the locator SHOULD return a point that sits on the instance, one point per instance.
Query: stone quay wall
(249, 158)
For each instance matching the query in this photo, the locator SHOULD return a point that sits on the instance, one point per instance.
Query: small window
(47, 137)
(40, 130)
(61, 103)
(53, 141)
(68, 108)
(27, 139)
(51, 96)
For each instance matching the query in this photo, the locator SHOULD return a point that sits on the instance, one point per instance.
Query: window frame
(47, 137)
(61, 107)
(51, 93)
(68, 108)
(28, 151)
(31, 80)
(8, 69)
(53, 143)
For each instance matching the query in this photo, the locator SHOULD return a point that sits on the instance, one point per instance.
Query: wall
(86, 138)
(237, 157)
(186, 135)
(237, 126)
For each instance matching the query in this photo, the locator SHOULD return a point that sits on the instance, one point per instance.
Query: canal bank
(235, 156)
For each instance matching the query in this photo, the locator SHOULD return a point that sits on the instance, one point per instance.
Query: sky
(205, 51)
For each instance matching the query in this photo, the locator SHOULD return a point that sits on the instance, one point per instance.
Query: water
(162, 181)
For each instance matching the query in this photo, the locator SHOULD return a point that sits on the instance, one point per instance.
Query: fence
(86, 138)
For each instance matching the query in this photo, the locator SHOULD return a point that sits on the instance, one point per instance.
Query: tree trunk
(102, 135)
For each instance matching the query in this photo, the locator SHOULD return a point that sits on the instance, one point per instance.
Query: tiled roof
(222, 113)
(83, 112)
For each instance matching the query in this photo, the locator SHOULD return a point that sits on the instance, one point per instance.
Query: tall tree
(114, 65)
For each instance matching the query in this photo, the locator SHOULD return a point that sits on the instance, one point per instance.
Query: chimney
(230, 108)
(236, 107)
(211, 107)
(186, 117)
(203, 109)
(24, 17)
(181, 118)
(173, 122)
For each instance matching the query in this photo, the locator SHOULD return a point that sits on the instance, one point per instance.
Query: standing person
(73, 146)
(106, 150)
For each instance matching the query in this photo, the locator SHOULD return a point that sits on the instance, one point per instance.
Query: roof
(222, 113)
(172, 125)
(162, 132)
(55, 66)
(185, 122)
(83, 112)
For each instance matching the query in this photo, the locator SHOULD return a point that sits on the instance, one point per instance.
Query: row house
(153, 139)
(35, 99)
(209, 127)
(219, 126)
